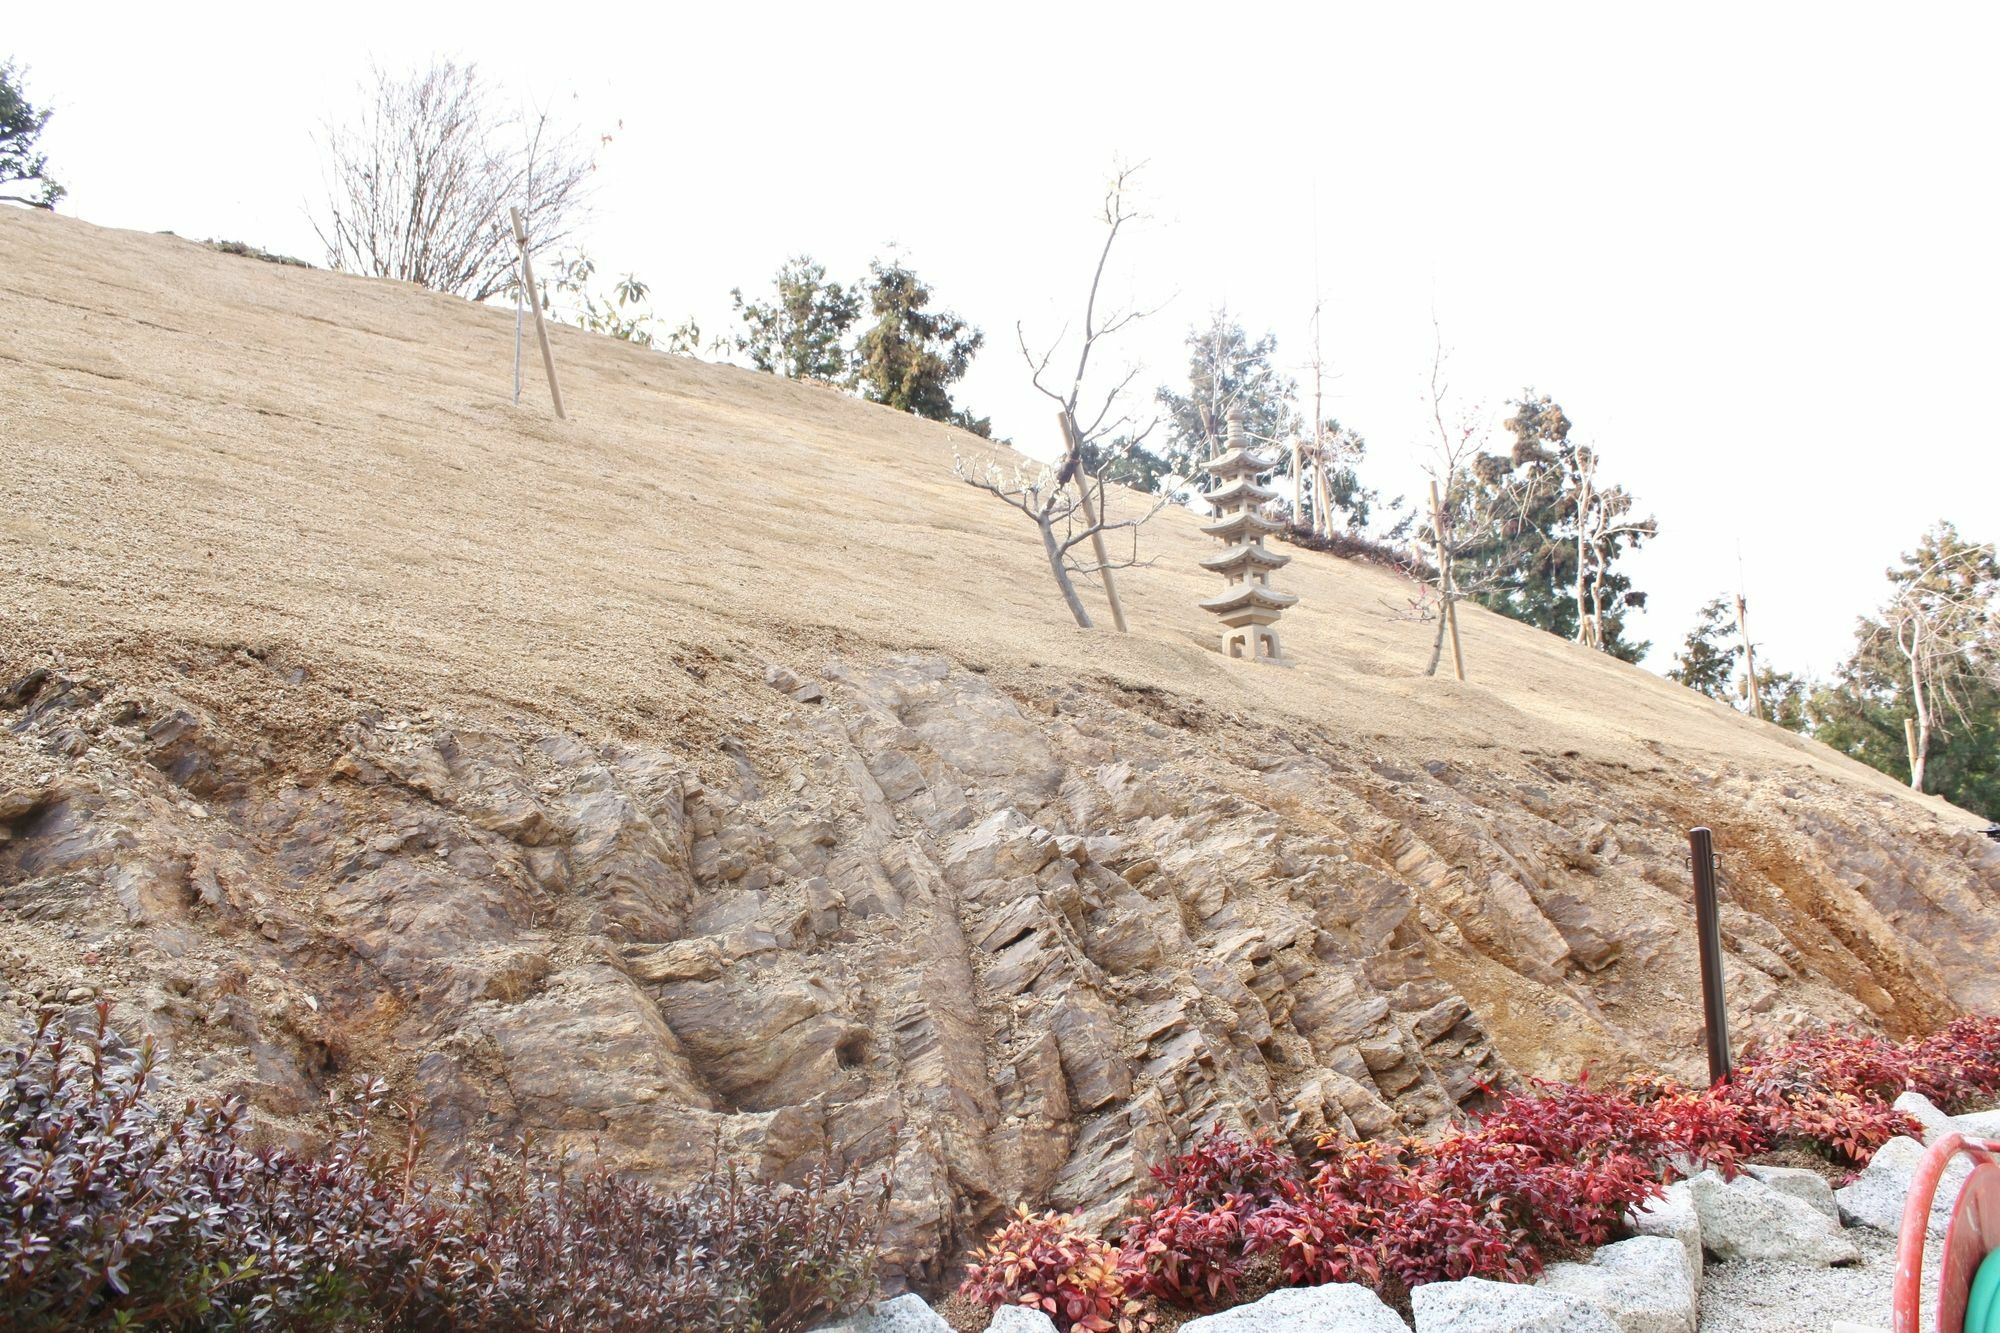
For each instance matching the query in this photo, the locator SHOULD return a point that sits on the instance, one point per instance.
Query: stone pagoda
(1250, 607)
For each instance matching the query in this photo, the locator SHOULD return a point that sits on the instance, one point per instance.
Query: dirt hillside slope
(713, 767)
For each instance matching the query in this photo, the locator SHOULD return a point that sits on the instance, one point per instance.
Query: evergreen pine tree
(912, 354)
(1706, 662)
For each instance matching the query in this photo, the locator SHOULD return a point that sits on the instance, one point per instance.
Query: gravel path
(1753, 1296)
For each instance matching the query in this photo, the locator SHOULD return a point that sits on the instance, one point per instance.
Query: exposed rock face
(1002, 944)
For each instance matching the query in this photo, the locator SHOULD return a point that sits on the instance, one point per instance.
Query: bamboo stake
(1749, 657)
(1082, 479)
(535, 300)
(1444, 582)
(1910, 740)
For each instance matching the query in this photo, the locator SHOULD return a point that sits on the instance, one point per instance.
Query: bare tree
(1046, 496)
(419, 185)
(1469, 505)
(1945, 623)
(1096, 431)
(1603, 515)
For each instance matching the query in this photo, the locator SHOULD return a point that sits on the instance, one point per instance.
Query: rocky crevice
(1004, 942)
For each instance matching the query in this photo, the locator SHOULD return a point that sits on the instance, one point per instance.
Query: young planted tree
(24, 168)
(1464, 514)
(1068, 503)
(801, 331)
(912, 354)
(1325, 483)
(420, 183)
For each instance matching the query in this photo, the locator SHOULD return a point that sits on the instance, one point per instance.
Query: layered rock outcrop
(1004, 940)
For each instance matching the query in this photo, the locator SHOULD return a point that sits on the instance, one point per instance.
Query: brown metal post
(1708, 930)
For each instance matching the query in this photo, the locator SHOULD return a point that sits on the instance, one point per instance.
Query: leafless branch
(418, 186)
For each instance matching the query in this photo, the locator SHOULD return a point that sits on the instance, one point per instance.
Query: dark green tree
(1225, 370)
(801, 332)
(912, 354)
(1550, 533)
(1786, 697)
(21, 161)
(1706, 662)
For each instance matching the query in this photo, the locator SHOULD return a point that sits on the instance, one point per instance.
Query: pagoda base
(1254, 637)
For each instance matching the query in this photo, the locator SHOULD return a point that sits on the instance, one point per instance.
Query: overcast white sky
(1750, 248)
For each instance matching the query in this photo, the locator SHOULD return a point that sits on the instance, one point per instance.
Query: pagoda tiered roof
(1243, 491)
(1248, 555)
(1233, 528)
(1249, 597)
(1239, 459)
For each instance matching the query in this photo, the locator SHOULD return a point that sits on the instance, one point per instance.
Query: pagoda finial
(1235, 439)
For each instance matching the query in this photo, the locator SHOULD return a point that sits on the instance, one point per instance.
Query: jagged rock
(1747, 1219)
(1339, 1307)
(1020, 1319)
(1926, 1113)
(904, 1314)
(1876, 1197)
(1476, 1305)
(1800, 1183)
(1644, 1284)
(1007, 946)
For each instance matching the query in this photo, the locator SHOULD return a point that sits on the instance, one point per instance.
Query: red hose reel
(1974, 1233)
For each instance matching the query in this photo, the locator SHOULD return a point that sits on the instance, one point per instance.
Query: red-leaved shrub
(119, 1210)
(1548, 1172)
(1049, 1262)
(1830, 1090)
(1192, 1247)
(1224, 1166)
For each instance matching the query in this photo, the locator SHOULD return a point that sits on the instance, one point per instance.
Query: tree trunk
(1298, 482)
(1917, 731)
(1582, 559)
(1597, 597)
(1056, 567)
(1749, 657)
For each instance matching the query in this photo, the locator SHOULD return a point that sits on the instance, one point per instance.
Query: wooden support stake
(1708, 932)
(1444, 582)
(1749, 657)
(1322, 497)
(1910, 740)
(1081, 476)
(535, 300)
